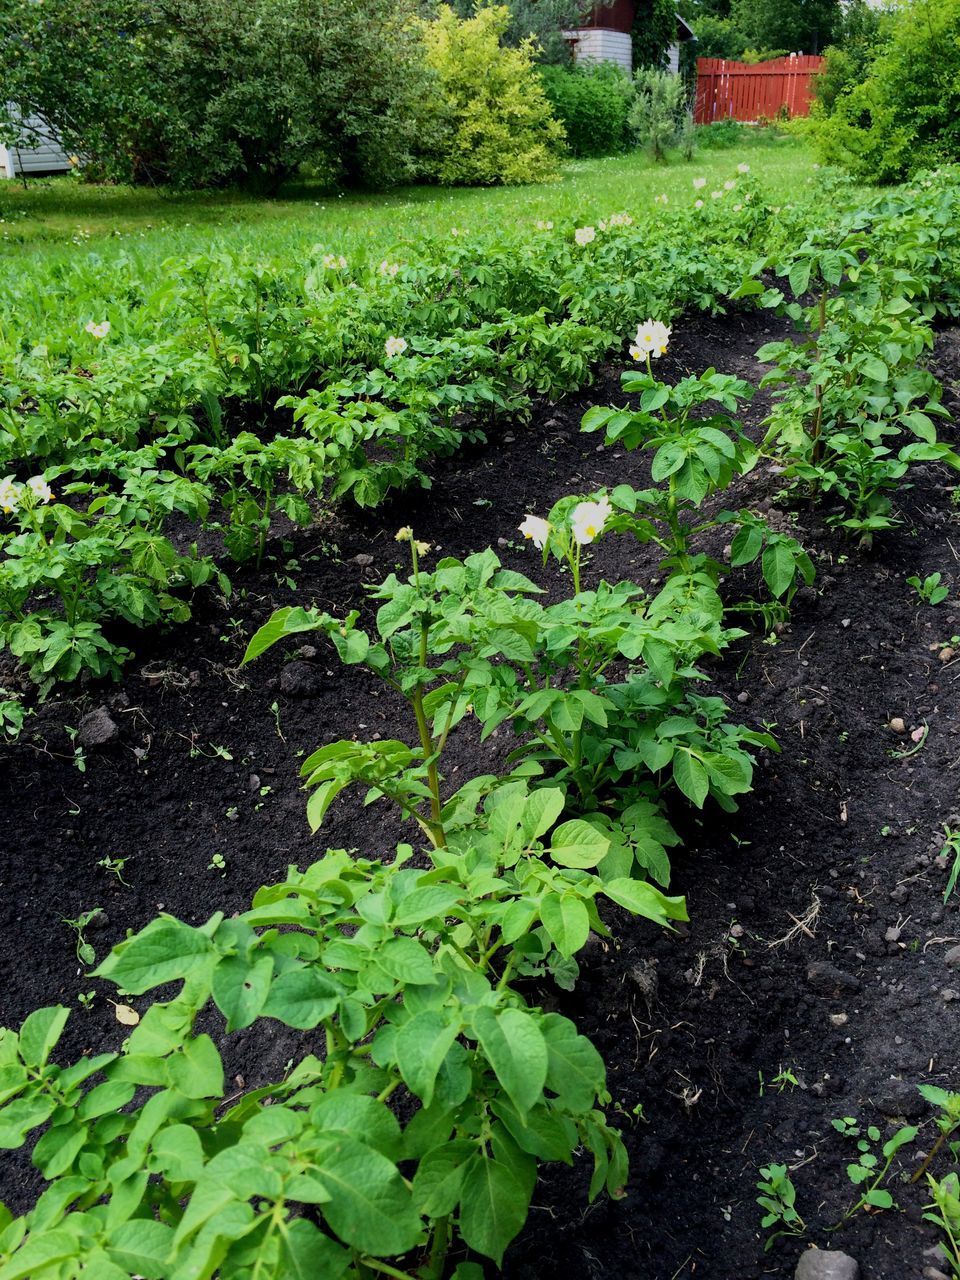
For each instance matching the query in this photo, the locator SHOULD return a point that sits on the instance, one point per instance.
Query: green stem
(439, 1248)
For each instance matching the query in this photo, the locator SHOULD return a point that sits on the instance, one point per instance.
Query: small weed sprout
(778, 1198)
(930, 589)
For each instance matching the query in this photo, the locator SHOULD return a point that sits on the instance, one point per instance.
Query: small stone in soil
(897, 725)
(948, 995)
(952, 958)
(826, 1264)
(97, 729)
(300, 680)
(827, 980)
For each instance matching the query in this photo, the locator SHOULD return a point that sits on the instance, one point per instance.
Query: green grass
(55, 217)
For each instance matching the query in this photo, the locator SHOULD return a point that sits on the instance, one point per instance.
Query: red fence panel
(754, 91)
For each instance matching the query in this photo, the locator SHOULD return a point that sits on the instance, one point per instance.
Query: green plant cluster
(890, 100)
(211, 93)
(592, 102)
(856, 406)
(147, 404)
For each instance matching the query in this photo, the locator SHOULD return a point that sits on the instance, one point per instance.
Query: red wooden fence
(754, 91)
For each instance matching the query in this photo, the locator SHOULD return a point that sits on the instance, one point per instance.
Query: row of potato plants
(412, 974)
(164, 411)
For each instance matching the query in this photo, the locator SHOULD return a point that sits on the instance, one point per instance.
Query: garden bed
(841, 832)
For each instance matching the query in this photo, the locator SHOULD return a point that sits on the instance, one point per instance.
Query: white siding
(47, 156)
(597, 44)
(673, 59)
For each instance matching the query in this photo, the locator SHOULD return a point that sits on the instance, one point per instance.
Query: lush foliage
(492, 119)
(903, 116)
(206, 92)
(659, 110)
(592, 103)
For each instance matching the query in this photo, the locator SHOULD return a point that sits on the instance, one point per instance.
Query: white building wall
(47, 156)
(596, 44)
(673, 59)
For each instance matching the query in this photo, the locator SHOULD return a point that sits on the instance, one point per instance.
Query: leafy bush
(905, 115)
(211, 92)
(491, 117)
(659, 110)
(592, 103)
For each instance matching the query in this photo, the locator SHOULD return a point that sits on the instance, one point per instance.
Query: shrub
(905, 115)
(213, 92)
(592, 103)
(659, 110)
(490, 114)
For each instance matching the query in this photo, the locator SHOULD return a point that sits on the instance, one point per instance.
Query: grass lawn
(55, 216)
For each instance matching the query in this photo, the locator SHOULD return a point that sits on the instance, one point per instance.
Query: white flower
(729, 184)
(652, 338)
(40, 489)
(395, 347)
(584, 235)
(334, 262)
(660, 199)
(620, 220)
(98, 330)
(602, 225)
(9, 495)
(743, 168)
(737, 208)
(716, 195)
(699, 184)
(543, 226)
(537, 529)
(388, 268)
(698, 204)
(588, 518)
(422, 548)
(636, 353)
(457, 231)
(403, 535)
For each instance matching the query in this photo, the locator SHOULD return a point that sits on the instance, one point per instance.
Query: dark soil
(837, 844)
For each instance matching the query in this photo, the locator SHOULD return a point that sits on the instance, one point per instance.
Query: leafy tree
(208, 92)
(490, 116)
(659, 110)
(654, 30)
(800, 26)
(864, 31)
(905, 115)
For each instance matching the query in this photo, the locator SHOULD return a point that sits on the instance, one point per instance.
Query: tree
(801, 26)
(210, 92)
(905, 115)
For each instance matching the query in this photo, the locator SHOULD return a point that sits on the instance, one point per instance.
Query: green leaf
(240, 988)
(142, 1245)
(515, 1048)
(540, 811)
(643, 899)
(691, 777)
(308, 1254)
(282, 624)
(301, 998)
(779, 568)
(40, 1251)
(438, 1181)
(493, 1207)
(40, 1032)
(575, 1070)
(421, 1046)
(566, 920)
(879, 1199)
(370, 1207)
(162, 952)
(578, 844)
(406, 960)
